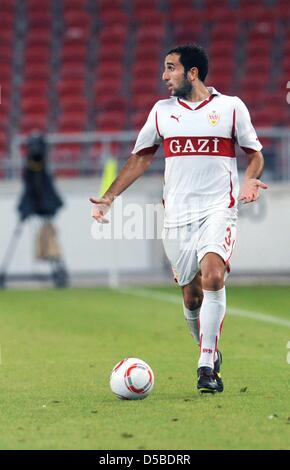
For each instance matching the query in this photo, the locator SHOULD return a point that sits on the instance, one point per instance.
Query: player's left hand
(250, 190)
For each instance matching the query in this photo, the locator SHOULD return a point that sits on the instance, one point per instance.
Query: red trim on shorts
(232, 199)
(227, 261)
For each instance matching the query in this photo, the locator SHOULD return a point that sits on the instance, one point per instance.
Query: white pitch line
(232, 311)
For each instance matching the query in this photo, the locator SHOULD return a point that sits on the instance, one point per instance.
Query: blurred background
(84, 74)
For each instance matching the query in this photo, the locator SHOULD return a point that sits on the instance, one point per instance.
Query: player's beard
(184, 90)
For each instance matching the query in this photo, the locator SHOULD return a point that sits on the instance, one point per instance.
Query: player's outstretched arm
(251, 186)
(134, 167)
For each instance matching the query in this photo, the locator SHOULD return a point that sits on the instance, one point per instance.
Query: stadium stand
(83, 65)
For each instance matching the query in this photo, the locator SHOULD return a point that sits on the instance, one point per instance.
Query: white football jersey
(199, 148)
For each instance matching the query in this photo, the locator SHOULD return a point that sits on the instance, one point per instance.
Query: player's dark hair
(192, 55)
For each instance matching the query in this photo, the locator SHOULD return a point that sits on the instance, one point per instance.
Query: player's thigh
(217, 235)
(180, 245)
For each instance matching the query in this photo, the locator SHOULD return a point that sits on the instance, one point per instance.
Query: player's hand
(100, 208)
(250, 190)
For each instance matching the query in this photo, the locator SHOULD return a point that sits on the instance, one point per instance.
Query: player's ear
(193, 73)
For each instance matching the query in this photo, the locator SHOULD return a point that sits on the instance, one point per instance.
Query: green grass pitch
(58, 349)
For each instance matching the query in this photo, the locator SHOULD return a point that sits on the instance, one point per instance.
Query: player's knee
(192, 302)
(213, 280)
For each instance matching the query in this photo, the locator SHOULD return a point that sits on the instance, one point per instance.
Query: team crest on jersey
(214, 118)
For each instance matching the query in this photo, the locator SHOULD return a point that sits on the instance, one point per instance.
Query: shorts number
(228, 239)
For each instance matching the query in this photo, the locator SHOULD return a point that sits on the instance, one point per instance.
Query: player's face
(175, 77)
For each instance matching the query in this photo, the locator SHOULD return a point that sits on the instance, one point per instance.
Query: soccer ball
(132, 379)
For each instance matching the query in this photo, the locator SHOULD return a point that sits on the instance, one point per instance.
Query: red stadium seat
(37, 55)
(111, 121)
(36, 72)
(5, 55)
(75, 54)
(35, 5)
(254, 82)
(111, 52)
(140, 69)
(103, 87)
(39, 105)
(117, 33)
(144, 85)
(111, 103)
(77, 19)
(5, 72)
(39, 19)
(108, 70)
(72, 122)
(36, 88)
(6, 37)
(74, 104)
(75, 4)
(38, 37)
(119, 17)
(71, 87)
(33, 122)
(6, 20)
(184, 32)
(147, 16)
(138, 119)
(144, 101)
(109, 6)
(225, 30)
(144, 53)
(73, 71)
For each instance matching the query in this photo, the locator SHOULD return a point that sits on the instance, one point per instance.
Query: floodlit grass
(58, 349)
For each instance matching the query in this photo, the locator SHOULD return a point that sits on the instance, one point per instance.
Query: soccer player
(198, 127)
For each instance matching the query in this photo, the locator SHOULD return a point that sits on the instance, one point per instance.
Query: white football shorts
(186, 246)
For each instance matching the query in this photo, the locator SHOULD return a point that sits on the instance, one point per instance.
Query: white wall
(263, 243)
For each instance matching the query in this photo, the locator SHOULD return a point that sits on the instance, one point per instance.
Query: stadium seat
(37, 55)
(36, 71)
(109, 86)
(111, 121)
(119, 17)
(71, 87)
(72, 122)
(6, 37)
(144, 101)
(111, 52)
(74, 54)
(33, 122)
(138, 119)
(35, 88)
(111, 103)
(5, 54)
(35, 104)
(39, 19)
(117, 33)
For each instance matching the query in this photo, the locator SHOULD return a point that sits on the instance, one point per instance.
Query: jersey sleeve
(244, 131)
(149, 137)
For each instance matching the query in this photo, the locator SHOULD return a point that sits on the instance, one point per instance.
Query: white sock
(192, 318)
(211, 316)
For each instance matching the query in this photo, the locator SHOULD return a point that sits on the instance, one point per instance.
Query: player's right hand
(100, 208)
